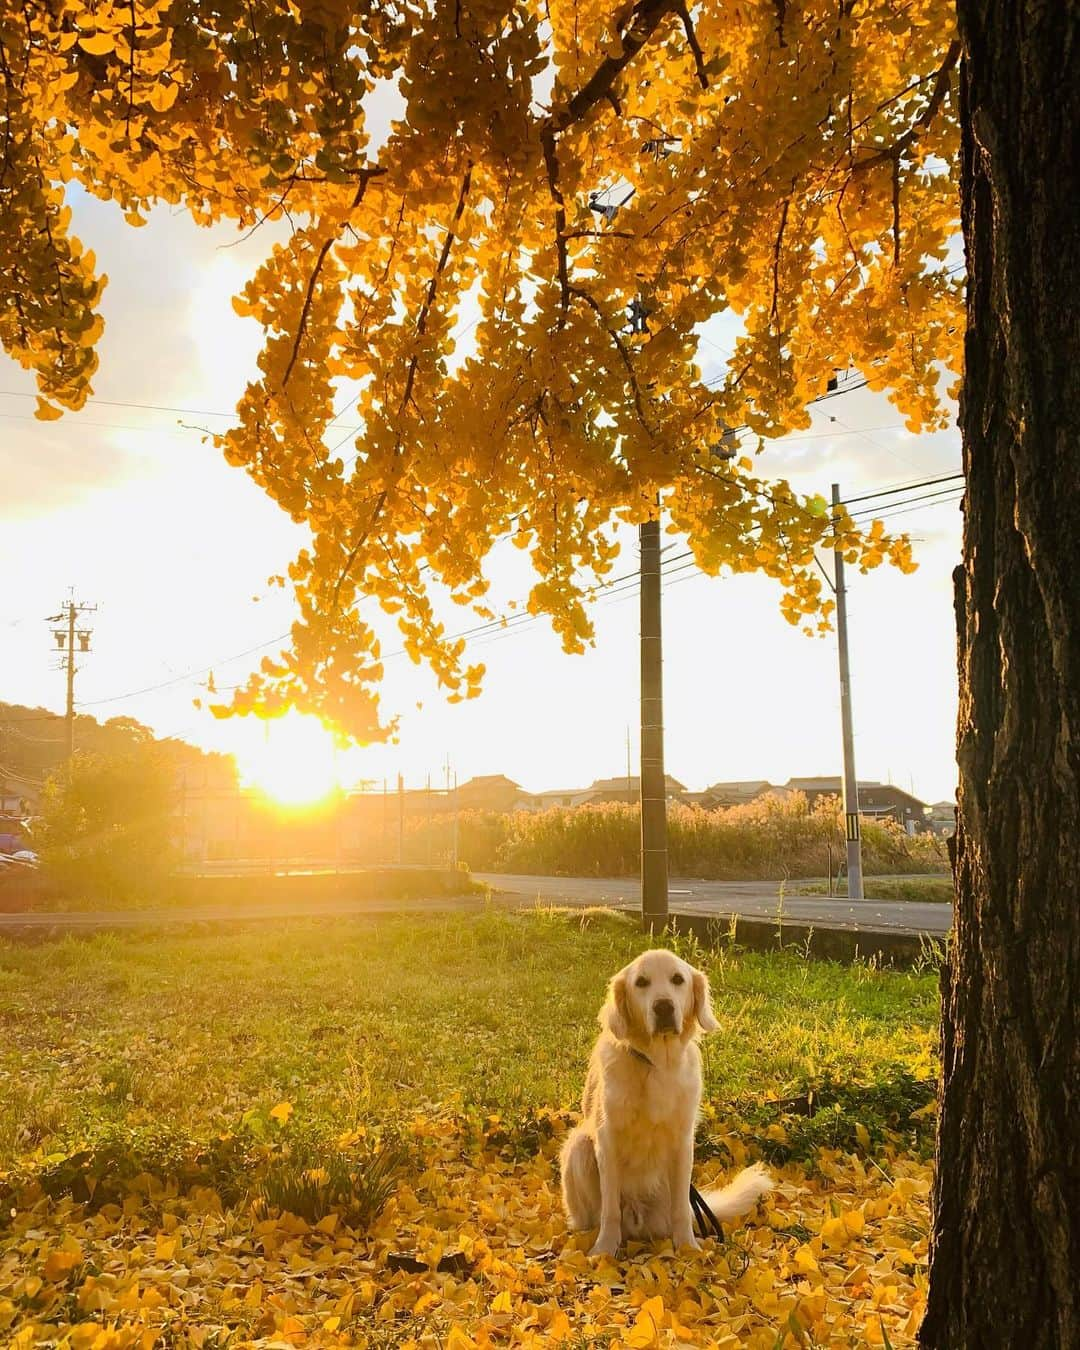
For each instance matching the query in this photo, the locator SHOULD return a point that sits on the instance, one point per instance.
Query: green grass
(305, 1127)
(935, 889)
(137, 1042)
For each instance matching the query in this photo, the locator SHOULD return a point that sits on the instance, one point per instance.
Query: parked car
(23, 857)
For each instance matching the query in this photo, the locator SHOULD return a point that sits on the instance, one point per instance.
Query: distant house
(875, 799)
(15, 806)
(541, 801)
(12, 801)
(942, 817)
(736, 793)
(628, 789)
(491, 792)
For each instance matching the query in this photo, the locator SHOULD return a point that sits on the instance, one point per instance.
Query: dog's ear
(702, 1003)
(615, 1014)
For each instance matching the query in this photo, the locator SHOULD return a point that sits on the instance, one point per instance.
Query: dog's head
(658, 994)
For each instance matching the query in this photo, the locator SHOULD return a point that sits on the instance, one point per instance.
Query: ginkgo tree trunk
(1005, 1265)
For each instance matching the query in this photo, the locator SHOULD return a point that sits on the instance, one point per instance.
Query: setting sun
(295, 760)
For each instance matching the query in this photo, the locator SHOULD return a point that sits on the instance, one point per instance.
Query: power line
(871, 513)
(142, 407)
(623, 585)
(874, 444)
(187, 675)
(955, 499)
(901, 487)
(486, 634)
(217, 412)
(19, 777)
(9, 725)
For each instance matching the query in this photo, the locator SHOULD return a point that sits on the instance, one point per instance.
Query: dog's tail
(741, 1194)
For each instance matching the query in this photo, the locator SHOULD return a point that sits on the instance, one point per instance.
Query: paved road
(748, 898)
(722, 898)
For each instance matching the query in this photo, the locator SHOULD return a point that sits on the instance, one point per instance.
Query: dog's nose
(664, 1010)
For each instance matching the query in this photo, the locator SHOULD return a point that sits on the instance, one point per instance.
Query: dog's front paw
(685, 1241)
(606, 1244)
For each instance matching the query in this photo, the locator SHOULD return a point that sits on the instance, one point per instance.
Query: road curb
(823, 942)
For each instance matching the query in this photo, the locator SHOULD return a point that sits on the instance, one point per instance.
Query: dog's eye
(641, 982)
(677, 979)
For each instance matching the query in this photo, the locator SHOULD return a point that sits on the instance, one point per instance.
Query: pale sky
(131, 509)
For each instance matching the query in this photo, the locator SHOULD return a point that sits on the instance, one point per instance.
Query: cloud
(46, 468)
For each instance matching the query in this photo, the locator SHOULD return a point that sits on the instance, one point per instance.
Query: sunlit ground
(189, 1155)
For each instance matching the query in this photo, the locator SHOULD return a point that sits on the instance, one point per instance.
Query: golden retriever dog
(626, 1168)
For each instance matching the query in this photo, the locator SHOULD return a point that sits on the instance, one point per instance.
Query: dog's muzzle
(664, 1015)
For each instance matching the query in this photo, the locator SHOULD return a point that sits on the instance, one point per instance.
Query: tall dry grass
(769, 838)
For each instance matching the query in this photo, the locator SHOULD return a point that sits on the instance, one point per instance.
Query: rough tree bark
(1005, 1248)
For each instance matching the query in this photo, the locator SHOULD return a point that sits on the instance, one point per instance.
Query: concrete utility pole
(400, 819)
(652, 793)
(65, 644)
(654, 873)
(851, 783)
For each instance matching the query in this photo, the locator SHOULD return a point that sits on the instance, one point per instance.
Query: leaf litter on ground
(166, 1215)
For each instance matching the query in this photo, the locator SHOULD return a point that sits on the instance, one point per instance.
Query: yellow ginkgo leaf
(282, 1112)
(61, 1262)
(648, 1325)
(98, 44)
(163, 96)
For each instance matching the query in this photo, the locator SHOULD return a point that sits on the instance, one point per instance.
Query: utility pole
(851, 782)
(65, 644)
(400, 819)
(651, 783)
(455, 858)
(654, 874)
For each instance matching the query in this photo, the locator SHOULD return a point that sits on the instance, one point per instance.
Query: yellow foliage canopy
(792, 163)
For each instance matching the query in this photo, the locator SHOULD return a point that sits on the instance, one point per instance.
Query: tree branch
(366, 176)
(908, 139)
(774, 313)
(421, 325)
(433, 285)
(643, 21)
(644, 18)
(621, 347)
(551, 163)
(691, 38)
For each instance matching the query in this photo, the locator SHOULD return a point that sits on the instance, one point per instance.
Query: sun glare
(295, 763)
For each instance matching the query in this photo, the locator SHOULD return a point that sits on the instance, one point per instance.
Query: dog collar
(638, 1055)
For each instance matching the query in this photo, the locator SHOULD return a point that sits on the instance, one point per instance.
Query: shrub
(103, 829)
(774, 836)
(306, 1173)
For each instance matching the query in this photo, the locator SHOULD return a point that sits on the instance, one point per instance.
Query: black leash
(707, 1222)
